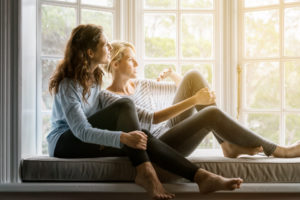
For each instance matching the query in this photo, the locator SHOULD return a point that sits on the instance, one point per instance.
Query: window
(269, 56)
(56, 19)
(187, 34)
(182, 35)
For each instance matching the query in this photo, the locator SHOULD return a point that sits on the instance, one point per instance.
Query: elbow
(79, 133)
(156, 119)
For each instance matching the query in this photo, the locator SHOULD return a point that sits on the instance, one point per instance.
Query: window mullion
(178, 38)
(281, 35)
(38, 140)
(78, 16)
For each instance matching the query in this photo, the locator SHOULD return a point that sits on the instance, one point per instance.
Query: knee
(195, 76)
(212, 113)
(126, 103)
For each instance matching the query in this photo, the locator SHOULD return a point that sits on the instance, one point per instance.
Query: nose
(109, 47)
(135, 63)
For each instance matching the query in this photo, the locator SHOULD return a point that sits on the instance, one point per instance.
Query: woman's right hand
(135, 139)
(205, 97)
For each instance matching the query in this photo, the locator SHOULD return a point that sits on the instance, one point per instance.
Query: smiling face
(127, 66)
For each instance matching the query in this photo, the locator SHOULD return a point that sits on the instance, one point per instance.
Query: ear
(115, 64)
(90, 53)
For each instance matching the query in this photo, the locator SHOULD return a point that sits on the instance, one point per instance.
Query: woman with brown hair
(81, 128)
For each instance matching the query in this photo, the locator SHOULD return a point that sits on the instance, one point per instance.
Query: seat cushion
(253, 169)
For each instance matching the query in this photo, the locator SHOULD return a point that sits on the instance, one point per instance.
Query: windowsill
(132, 188)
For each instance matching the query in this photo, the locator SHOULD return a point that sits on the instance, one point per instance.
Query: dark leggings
(122, 116)
(187, 135)
(188, 129)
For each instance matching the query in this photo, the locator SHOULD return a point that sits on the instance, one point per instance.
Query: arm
(202, 97)
(176, 78)
(71, 106)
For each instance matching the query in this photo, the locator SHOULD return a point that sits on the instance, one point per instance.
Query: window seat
(252, 169)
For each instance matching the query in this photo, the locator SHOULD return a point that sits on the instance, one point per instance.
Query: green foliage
(266, 125)
(160, 47)
(291, 33)
(197, 4)
(57, 24)
(204, 69)
(292, 128)
(160, 3)
(263, 85)
(105, 19)
(195, 42)
(292, 83)
(262, 33)
(153, 70)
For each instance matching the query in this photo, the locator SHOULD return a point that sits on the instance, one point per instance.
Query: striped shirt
(149, 96)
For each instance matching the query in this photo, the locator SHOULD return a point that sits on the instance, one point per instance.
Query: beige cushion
(258, 169)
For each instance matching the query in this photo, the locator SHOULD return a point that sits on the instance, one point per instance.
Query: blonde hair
(117, 53)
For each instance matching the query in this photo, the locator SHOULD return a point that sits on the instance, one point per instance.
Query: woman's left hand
(165, 74)
(205, 97)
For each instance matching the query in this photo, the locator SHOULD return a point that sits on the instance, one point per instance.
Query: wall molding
(10, 90)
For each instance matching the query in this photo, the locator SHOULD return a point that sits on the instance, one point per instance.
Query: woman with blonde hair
(82, 128)
(193, 114)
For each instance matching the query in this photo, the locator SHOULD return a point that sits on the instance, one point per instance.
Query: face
(127, 66)
(102, 53)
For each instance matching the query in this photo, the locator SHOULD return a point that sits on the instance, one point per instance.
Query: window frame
(243, 111)
(216, 61)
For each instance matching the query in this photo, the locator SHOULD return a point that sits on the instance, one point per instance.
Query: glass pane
(200, 4)
(153, 70)
(207, 142)
(266, 125)
(292, 84)
(105, 19)
(262, 34)
(291, 1)
(197, 36)
(160, 35)
(107, 3)
(204, 69)
(292, 128)
(159, 4)
(46, 126)
(255, 3)
(57, 25)
(292, 32)
(262, 85)
(48, 67)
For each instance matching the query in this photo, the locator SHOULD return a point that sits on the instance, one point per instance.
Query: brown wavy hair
(76, 64)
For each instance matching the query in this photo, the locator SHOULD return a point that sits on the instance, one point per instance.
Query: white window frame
(216, 60)
(128, 19)
(281, 59)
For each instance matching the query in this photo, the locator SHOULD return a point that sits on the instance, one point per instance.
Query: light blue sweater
(70, 112)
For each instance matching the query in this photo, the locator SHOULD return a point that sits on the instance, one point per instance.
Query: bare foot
(209, 182)
(288, 152)
(147, 178)
(233, 151)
